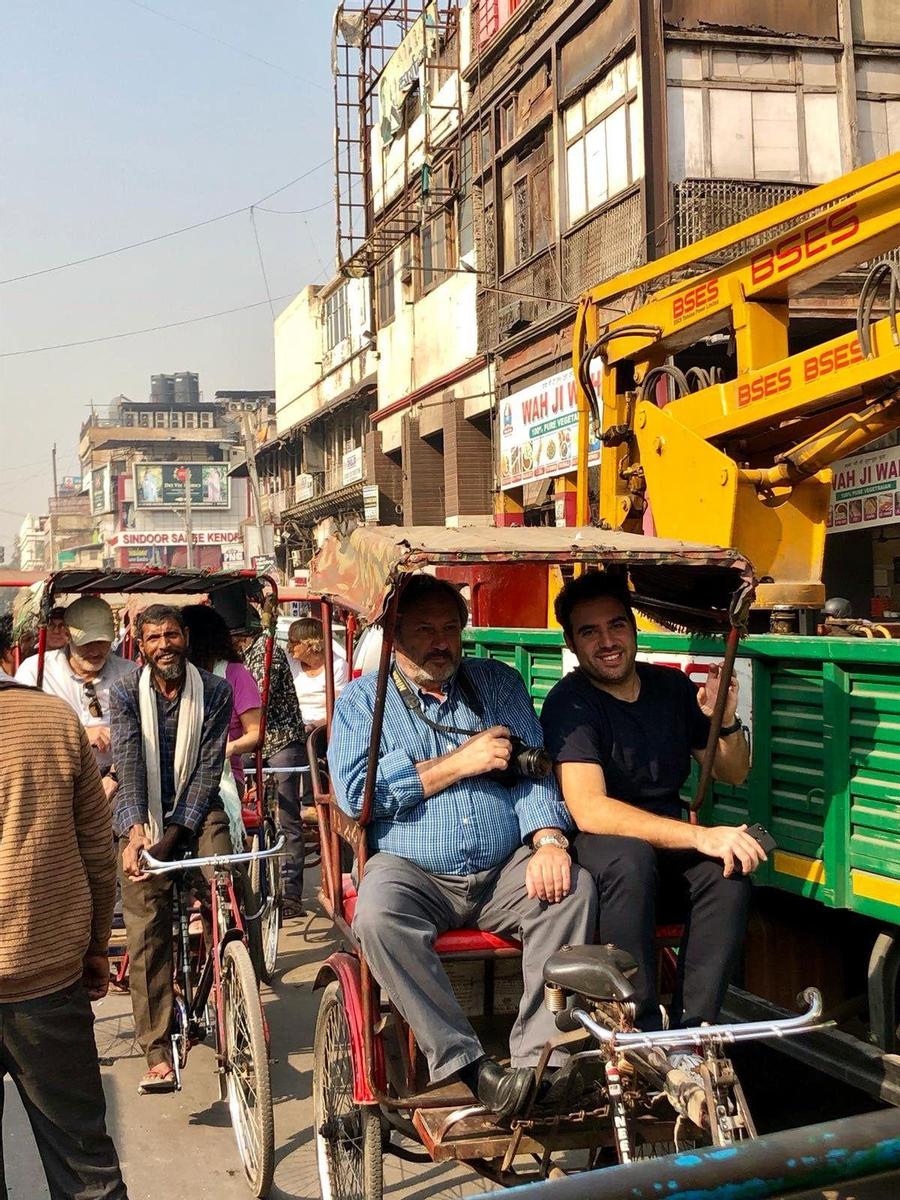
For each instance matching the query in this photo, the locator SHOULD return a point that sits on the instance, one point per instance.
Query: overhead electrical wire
(78, 262)
(111, 337)
(228, 45)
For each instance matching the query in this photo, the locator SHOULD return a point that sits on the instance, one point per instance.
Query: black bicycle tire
(236, 960)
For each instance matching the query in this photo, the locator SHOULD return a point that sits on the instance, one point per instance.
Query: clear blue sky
(118, 124)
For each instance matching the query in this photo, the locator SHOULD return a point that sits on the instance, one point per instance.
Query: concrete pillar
(468, 464)
(423, 476)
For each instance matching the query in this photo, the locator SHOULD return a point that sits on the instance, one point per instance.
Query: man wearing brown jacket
(57, 888)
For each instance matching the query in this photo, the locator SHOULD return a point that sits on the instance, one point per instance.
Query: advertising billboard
(539, 430)
(162, 485)
(101, 492)
(864, 492)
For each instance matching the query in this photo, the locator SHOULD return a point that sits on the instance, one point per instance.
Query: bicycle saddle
(596, 972)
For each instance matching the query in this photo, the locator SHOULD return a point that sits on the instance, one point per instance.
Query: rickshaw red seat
(454, 941)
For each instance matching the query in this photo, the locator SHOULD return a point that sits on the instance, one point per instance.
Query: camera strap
(414, 704)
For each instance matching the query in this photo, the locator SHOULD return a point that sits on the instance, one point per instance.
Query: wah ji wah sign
(864, 491)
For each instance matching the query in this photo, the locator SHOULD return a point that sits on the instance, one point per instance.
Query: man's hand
(110, 786)
(138, 842)
(548, 875)
(708, 694)
(95, 975)
(731, 844)
(487, 751)
(98, 736)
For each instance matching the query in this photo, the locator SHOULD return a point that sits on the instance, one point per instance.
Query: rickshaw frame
(373, 587)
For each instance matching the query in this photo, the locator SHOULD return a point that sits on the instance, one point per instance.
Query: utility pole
(52, 513)
(253, 475)
(188, 515)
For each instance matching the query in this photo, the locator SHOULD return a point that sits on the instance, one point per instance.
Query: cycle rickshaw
(369, 1090)
(216, 971)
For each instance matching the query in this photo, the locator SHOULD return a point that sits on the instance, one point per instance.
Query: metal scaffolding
(366, 35)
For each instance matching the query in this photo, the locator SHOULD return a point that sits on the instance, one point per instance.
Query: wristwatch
(735, 725)
(551, 839)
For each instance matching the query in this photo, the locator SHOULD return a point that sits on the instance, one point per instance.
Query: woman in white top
(307, 651)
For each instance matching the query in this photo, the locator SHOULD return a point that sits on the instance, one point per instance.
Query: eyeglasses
(94, 706)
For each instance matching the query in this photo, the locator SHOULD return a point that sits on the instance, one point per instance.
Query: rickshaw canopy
(670, 580)
(152, 581)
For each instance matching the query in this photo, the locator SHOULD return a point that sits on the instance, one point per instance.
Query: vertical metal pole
(715, 721)
(189, 516)
(253, 476)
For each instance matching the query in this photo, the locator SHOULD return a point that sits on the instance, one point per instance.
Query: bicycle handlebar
(285, 770)
(155, 866)
(672, 1039)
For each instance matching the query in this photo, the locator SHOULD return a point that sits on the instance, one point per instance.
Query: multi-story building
(31, 544)
(323, 464)
(138, 462)
(604, 134)
(405, 218)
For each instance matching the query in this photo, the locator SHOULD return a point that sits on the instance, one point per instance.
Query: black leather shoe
(562, 1088)
(504, 1090)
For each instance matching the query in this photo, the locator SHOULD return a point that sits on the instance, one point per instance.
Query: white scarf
(187, 743)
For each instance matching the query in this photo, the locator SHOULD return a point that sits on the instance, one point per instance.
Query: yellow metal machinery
(745, 461)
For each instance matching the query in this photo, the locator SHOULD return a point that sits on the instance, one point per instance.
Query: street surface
(182, 1145)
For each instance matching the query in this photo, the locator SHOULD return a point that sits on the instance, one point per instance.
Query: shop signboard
(101, 499)
(352, 466)
(162, 485)
(371, 498)
(305, 487)
(124, 539)
(539, 430)
(233, 557)
(864, 491)
(70, 485)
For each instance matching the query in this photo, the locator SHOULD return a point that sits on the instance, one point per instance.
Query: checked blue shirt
(473, 825)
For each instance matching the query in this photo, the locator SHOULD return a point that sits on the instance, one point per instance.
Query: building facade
(139, 463)
(321, 464)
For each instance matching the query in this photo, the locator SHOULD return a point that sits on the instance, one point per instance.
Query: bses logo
(830, 230)
(697, 300)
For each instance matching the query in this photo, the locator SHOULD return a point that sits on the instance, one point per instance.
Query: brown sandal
(155, 1081)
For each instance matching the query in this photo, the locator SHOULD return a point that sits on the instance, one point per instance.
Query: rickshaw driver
(622, 734)
(455, 848)
(169, 729)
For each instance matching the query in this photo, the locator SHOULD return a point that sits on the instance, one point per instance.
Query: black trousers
(635, 882)
(47, 1048)
(292, 791)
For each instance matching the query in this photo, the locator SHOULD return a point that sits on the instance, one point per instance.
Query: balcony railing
(704, 206)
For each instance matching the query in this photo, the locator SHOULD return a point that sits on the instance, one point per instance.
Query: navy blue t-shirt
(643, 746)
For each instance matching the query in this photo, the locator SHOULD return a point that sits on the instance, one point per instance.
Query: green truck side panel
(825, 774)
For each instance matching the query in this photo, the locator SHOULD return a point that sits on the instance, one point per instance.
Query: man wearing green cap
(82, 672)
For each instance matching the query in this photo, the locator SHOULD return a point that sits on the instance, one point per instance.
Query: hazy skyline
(120, 124)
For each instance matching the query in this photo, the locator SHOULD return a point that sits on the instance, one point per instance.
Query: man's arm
(594, 811)
(128, 755)
(93, 829)
(732, 761)
(203, 785)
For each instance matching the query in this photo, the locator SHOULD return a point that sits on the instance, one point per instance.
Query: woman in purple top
(210, 648)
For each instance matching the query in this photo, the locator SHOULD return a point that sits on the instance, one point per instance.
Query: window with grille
(384, 291)
(527, 202)
(753, 114)
(337, 322)
(604, 140)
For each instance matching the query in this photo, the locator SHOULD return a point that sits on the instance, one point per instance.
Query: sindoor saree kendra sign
(539, 430)
(864, 491)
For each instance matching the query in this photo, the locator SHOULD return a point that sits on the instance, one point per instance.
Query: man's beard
(437, 672)
(170, 671)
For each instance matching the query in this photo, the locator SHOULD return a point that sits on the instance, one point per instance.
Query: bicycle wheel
(348, 1135)
(246, 1063)
(270, 917)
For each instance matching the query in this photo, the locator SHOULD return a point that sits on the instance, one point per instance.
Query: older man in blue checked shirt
(457, 848)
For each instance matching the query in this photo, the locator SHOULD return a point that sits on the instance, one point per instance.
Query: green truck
(824, 718)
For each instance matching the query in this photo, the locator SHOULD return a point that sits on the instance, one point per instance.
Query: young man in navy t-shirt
(622, 735)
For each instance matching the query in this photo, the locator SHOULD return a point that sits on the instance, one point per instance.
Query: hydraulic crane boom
(745, 461)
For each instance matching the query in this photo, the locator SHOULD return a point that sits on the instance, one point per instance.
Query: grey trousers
(402, 909)
(47, 1048)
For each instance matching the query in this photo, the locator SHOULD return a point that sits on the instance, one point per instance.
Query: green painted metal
(825, 774)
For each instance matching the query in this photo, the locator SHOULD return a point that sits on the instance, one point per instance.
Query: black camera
(525, 762)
